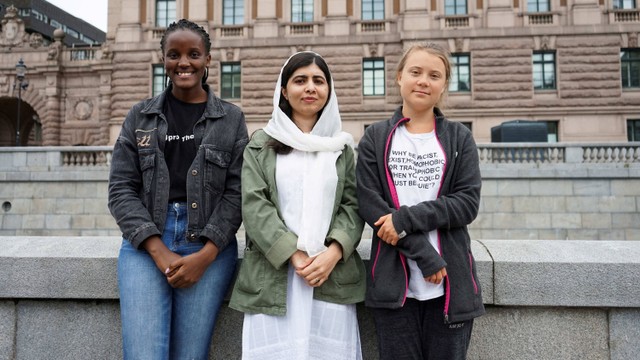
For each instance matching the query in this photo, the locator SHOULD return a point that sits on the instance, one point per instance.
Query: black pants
(417, 332)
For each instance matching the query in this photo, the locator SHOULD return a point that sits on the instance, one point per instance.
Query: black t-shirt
(180, 148)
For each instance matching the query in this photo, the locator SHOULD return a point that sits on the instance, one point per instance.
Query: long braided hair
(184, 24)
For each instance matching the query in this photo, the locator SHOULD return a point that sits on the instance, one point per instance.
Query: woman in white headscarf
(301, 276)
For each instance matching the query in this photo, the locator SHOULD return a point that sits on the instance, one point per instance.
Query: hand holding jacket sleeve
(373, 205)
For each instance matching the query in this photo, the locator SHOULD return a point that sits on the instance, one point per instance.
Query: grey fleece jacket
(455, 208)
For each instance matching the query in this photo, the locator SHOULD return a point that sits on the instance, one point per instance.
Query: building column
(586, 12)
(129, 27)
(500, 13)
(266, 24)
(415, 16)
(197, 11)
(52, 117)
(337, 21)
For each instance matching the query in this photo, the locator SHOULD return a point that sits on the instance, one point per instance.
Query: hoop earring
(206, 76)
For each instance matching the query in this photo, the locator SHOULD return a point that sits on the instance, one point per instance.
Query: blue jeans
(417, 331)
(158, 321)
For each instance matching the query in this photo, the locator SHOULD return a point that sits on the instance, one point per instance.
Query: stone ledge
(511, 272)
(58, 299)
(568, 273)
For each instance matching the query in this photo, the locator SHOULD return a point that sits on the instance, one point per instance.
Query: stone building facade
(573, 64)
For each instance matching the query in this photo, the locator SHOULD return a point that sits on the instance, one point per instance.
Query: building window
(373, 77)
(544, 70)
(538, 6)
(461, 73)
(159, 79)
(301, 10)
(373, 10)
(630, 68)
(232, 12)
(230, 80)
(55, 24)
(165, 12)
(455, 7)
(467, 124)
(552, 131)
(72, 32)
(624, 4)
(633, 130)
(40, 16)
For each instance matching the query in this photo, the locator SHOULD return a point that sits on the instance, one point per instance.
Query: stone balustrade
(546, 300)
(581, 191)
(492, 153)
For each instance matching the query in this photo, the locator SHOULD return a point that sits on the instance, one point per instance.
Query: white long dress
(311, 329)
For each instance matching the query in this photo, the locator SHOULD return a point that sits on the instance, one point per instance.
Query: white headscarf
(326, 135)
(326, 141)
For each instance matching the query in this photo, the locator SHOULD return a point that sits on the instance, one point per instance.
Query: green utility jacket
(261, 285)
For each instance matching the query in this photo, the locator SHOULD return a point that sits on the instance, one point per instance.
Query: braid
(184, 24)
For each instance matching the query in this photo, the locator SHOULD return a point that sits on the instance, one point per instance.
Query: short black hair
(184, 24)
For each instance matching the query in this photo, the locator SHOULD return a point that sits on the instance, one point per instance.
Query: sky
(92, 11)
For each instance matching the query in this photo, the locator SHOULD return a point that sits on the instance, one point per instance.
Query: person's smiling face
(422, 80)
(185, 60)
(307, 92)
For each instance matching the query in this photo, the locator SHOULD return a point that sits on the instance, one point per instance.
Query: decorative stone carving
(544, 43)
(55, 48)
(35, 40)
(459, 44)
(373, 50)
(83, 109)
(12, 33)
(105, 51)
(633, 40)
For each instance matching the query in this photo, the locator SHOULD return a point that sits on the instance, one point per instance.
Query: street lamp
(21, 72)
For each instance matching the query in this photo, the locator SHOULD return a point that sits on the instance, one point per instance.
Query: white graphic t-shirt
(416, 162)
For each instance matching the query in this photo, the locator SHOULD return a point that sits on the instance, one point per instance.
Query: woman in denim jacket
(174, 190)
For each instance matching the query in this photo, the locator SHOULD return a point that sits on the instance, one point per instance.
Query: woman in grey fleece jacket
(421, 280)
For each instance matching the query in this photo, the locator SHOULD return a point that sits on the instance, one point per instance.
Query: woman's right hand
(300, 260)
(160, 253)
(437, 278)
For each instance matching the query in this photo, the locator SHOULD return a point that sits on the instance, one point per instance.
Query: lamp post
(21, 72)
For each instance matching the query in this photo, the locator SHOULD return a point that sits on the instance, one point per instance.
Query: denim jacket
(139, 176)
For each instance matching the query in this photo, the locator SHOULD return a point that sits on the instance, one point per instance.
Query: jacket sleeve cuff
(282, 250)
(343, 239)
(142, 234)
(401, 222)
(216, 236)
(429, 268)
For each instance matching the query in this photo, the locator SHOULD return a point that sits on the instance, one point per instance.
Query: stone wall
(545, 301)
(579, 192)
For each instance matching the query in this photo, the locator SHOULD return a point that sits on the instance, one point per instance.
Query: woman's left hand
(321, 266)
(186, 271)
